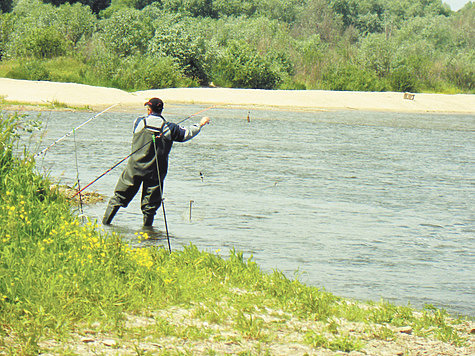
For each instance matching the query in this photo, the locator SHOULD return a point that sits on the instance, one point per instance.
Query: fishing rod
(72, 131)
(161, 194)
(138, 149)
(77, 171)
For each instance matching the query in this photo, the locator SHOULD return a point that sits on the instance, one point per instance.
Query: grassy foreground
(67, 288)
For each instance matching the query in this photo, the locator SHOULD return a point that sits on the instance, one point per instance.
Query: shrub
(460, 71)
(183, 41)
(352, 77)
(125, 33)
(102, 64)
(377, 53)
(190, 7)
(42, 42)
(240, 66)
(75, 21)
(6, 29)
(234, 7)
(151, 72)
(403, 79)
(30, 70)
(95, 5)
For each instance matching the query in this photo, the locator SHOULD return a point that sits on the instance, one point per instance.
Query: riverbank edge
(42, 95)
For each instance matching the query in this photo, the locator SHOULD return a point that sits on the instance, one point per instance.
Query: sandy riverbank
(78, 95)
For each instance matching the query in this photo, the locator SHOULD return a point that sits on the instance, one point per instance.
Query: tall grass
(57, 273)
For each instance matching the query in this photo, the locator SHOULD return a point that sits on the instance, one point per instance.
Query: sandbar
(18, 93)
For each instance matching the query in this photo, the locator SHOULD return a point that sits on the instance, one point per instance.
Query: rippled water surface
(367, 205)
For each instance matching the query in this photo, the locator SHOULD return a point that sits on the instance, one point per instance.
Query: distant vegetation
(367, 45)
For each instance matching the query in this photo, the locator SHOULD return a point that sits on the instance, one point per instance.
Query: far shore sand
(18, 93)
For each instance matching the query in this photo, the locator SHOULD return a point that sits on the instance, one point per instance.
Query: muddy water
(367, 205)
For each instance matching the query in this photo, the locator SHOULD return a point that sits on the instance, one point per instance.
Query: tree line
(364, 45)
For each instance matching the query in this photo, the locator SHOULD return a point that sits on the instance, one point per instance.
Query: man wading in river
(152, 138)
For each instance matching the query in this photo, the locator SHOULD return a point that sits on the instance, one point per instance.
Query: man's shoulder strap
(155, 128)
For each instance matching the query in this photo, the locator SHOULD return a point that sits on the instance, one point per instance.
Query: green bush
(30, 70)
(403, 79)
(240, 66)
(75, 21)
(183, 41)
(377, 54)
(460, 71)
(125, 32)
(352, 78)
(102, 64)
(195, 8)
(143, 73)
(224, 8)
(6, 29)
(95, 5)
(42, 42)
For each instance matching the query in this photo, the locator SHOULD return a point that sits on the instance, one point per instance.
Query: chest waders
(148, 167)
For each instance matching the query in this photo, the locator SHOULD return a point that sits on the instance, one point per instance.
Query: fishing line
(77, 172)
(161, 193)
(72, 131)
(138, 149)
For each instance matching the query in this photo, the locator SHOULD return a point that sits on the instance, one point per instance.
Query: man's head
(155, 104)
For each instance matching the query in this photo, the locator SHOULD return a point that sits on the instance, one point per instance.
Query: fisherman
(156, 136)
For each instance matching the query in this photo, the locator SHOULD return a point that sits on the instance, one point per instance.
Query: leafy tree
(283, 10)
(40, 42)
(125, 32)
(460, 71)
(346, 9)
(184, 42)
(150, 72)
(240, 66)
(318, 18)
(103, 63)
(95, 5)
(75, 21)
(134, 4)
(350, 77)
(403, 79)
(377, 54)
(223, 8)
(195, 8)
(42, 30)
(34, 32)
(6, 28)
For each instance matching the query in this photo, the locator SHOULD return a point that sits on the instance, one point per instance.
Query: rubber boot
(109, 214)
(148, 220)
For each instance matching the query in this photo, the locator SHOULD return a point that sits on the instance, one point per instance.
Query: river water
(366, 205)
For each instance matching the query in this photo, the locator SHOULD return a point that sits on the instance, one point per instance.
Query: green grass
(58, 275)
(58, 69)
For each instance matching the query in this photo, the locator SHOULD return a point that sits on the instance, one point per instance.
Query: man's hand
(204, 121)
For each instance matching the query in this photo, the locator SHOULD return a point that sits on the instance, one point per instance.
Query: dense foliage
(369, 45)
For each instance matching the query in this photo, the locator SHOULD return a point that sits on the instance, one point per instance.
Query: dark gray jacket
(145, 129)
